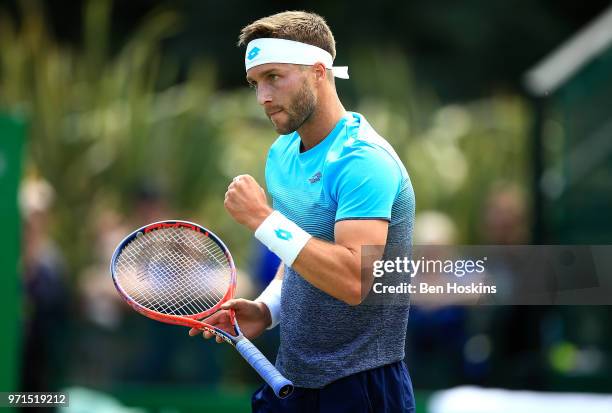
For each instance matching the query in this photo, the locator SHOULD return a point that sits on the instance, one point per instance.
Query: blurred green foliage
(455, 153)
(102, 123)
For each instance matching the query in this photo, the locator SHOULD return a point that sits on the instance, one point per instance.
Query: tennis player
(336, 185)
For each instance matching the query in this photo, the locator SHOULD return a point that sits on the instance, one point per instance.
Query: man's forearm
(269, 299)
(280, 272)
(332, 268)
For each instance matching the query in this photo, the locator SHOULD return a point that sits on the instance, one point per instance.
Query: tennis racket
(178, 272)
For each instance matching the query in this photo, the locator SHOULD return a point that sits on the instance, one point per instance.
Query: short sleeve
(367, 183)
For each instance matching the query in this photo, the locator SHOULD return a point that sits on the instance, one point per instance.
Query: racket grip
(281, 386)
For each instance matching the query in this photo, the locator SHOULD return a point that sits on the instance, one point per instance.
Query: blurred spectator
(436, 331)
(434, 228)
(106, 316)
(150, 205)
(101, 303)
(45, 294)
(518, 343)
(505, 215)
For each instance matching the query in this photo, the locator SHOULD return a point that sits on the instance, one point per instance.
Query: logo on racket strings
(283, 234)
(170, 224)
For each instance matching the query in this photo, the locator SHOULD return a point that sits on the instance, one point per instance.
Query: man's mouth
(274, 113)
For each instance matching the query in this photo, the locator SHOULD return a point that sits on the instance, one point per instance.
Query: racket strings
(174, 271)
(181, 295)
(158, 292)
(184, 297)
(163, 299)
(185, 292)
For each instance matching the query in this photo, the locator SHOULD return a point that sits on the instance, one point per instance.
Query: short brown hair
(299, 26)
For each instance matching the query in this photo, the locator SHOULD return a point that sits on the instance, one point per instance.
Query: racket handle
(281, 386)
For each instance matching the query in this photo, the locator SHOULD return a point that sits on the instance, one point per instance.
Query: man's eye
(273, 77)
(253, 85)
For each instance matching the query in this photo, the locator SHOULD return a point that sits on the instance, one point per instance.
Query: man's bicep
(366, 186)
(355, 233)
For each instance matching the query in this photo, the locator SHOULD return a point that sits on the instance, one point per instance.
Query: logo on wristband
(283, 234)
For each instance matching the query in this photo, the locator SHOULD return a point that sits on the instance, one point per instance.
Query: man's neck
(321, 123)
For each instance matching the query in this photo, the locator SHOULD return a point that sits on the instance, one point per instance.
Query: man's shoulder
(361, 143)
(360, 137)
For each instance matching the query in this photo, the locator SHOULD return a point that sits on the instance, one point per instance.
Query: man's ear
(320, 71)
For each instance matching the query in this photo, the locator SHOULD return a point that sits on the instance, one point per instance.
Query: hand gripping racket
(178, 272)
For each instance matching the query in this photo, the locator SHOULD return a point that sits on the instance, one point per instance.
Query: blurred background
(114, 114)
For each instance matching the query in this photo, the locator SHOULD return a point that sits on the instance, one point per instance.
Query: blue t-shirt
(351, 174)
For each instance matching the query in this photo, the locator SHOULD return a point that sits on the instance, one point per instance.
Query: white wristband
(282, 236)
(271, 297)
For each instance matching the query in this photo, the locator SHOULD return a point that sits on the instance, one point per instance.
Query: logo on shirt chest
(315, 178)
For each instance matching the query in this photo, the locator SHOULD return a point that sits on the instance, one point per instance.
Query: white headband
(262, 51)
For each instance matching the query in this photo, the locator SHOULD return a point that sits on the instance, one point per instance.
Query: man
(336, 186)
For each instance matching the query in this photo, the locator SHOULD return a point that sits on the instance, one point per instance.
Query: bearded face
(285, 94)
(297, 111)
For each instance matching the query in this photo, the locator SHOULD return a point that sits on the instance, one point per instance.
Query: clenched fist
(246, 202)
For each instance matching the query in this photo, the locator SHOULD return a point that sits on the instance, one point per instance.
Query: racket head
(154, 266)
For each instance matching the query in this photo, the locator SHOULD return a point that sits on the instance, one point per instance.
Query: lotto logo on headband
(253, 53)
(291, 52)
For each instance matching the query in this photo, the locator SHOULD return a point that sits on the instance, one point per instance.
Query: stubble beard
(299, 111)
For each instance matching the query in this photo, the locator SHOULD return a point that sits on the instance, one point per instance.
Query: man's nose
(263, 95)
